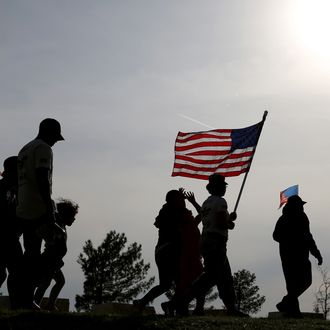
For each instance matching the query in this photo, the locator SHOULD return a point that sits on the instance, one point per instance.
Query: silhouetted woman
(167, 251)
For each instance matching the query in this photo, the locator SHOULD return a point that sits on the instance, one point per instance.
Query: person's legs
(49, 264)
(32, 246)
(14, 266)
(41, 289)
(200, 286)
(166, 265)
(3, 273)
(298, 277)
(56, 289)
(217, 266)
(304, 280)
(225, 283)
(199, 308)
(3, 258)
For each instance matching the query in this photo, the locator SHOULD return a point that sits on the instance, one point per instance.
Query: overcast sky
(123, 76)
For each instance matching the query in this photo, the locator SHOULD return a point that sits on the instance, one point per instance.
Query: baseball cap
(51, 127)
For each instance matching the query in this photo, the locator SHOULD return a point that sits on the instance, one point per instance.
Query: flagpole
(247, 172)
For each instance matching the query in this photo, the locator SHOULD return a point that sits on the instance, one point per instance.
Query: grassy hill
(73, 321)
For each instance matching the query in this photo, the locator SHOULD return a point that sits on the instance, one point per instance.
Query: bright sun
(311, 19)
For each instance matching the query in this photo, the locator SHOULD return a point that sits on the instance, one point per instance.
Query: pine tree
(113, 273)
(247, 297)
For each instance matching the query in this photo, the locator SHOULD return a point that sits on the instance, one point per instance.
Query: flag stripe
(225, 151)
(225, 163)
(205, 146)
(199, 135)
(205, 175)
(216, 157)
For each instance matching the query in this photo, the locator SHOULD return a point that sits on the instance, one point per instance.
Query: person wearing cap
(35, 206)
(216, 222)
(11, 252)
(296, 242)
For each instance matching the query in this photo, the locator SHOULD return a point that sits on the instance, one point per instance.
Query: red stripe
(191, 158)
(196, 161)
(241, 154)
(204, 136)
(205, 177)
(203, 144)
(214, 153)
(188, 175)
(209, 169)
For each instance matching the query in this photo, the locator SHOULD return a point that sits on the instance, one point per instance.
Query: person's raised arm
(191, 198)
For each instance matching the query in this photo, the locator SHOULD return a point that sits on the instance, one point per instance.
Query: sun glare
(311, 19)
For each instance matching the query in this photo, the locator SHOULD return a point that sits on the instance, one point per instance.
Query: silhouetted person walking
(295, 243)
(35, 206)
(216, 222)
(52, 256)
(167, 251)
(190, 259)
(11, 253)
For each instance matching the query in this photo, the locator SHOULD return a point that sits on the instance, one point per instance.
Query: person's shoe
(281, 307)
(198, 312)
(138, 304)
(51, 308)
(167, 308)
(236, 313)
(293, 315)
(182, 310)
(32, 307)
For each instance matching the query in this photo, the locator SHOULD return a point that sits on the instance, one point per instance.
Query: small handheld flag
(285, 194)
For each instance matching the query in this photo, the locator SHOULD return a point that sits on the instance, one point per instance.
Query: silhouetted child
(167, 251)
(11, 254)
(295, 243)
(51, 258)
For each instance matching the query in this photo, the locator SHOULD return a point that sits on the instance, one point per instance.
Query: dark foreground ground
(72, 321)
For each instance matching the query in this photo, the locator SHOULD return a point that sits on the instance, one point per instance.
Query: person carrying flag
(216, 223)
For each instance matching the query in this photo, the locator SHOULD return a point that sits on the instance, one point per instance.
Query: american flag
(285, 194)
(225, 151)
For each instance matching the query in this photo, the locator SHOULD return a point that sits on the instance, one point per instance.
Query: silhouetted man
(35, 206)
(295, 242)
(11, 253)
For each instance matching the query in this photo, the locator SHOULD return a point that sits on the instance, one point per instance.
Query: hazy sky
(122, 77)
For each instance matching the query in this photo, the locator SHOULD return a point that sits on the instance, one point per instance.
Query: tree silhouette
(322, 296)
(247, 297)
(113, 273)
